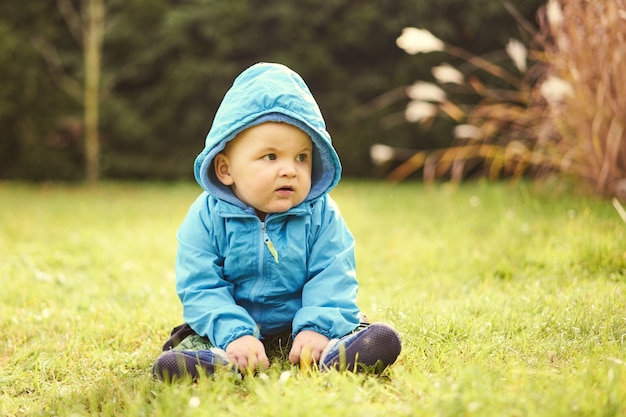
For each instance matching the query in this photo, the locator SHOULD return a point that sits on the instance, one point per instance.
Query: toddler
(265, 262)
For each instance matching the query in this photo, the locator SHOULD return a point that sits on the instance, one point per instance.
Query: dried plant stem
(620, 209)
(485, 65)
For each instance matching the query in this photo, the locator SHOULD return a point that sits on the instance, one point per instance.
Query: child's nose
(288, 169)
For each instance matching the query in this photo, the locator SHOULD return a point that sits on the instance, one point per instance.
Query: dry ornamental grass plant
(585, 45)
(565, 113)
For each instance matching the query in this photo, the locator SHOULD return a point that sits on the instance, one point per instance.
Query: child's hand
(307, 346)
(248, 354)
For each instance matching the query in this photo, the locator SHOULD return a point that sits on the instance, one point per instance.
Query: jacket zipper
(256, 290)
(268, 242)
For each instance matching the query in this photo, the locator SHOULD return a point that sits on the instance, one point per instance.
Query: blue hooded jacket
(229, 281)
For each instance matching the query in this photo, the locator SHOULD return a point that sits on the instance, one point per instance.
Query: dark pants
(277, 345)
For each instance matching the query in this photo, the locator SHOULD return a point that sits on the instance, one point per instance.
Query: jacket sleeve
(208, 303)
(329, 295)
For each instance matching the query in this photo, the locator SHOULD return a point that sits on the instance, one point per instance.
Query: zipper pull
(269, 243)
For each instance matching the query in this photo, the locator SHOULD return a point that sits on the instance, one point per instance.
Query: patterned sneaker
(176, 364)
(373, 348)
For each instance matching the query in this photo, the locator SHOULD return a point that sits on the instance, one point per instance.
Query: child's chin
(280, 208)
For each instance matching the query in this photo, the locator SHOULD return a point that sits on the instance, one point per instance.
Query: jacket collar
(227, 209)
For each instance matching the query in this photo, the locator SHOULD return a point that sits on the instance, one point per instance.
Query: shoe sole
(377, 347)
(177, 365)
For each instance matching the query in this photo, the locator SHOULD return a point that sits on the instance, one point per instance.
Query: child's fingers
(262, 361)
(251, 362)
(294, 354)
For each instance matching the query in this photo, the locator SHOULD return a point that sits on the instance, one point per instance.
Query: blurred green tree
(167, 63)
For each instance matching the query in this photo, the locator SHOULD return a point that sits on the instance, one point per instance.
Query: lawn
(510, 300)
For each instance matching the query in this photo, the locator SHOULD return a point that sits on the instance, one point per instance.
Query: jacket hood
(268, 92)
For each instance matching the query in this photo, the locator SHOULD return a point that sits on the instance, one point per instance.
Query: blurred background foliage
(167, 64)
(553, 108)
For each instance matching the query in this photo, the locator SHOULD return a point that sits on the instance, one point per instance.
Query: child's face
(268, 167)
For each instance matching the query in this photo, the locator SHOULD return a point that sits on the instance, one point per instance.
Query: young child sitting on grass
(265, 260)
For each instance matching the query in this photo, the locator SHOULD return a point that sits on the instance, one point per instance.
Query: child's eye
(302, 157)
(270, 156)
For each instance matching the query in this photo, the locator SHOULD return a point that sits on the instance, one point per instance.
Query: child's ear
(222, 169)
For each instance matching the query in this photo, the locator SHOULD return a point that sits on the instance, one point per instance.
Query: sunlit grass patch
(510, 300)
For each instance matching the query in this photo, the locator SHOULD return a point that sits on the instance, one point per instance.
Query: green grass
(510, 301)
